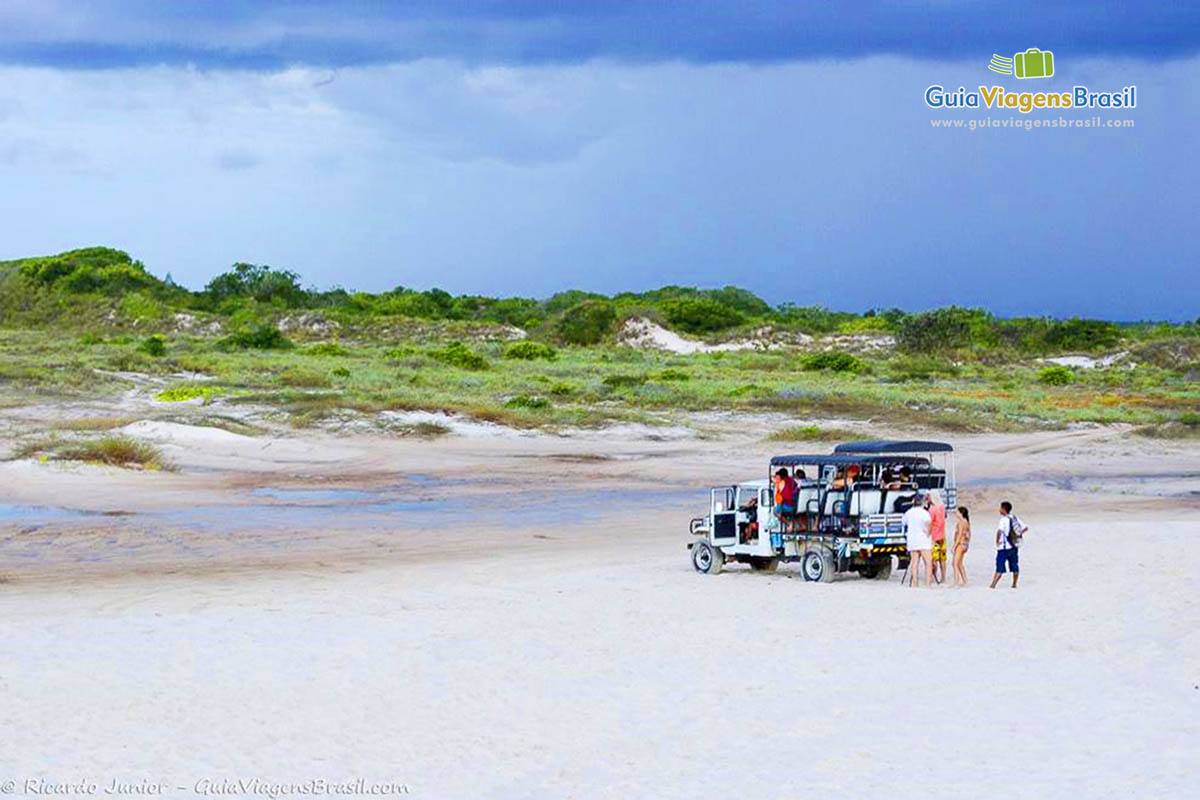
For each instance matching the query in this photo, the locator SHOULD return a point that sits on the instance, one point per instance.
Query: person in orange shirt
(937, 532)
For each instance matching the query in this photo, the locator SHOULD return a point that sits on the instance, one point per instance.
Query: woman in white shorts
(917, 523)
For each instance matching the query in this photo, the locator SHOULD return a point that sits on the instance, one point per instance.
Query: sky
(530, 147)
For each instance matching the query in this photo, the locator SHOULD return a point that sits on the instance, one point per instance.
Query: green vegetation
(530, 351)
(812, 433)
(117, 451)
(1056, 376)
(256, 337)
(182, 392)
(457, 354)
(834, 361)
(95, 322)
(155, 346)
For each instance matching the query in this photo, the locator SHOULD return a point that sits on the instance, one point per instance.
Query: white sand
(590, 661)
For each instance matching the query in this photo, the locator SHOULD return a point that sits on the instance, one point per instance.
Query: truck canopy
(882, 446)
(845, 460)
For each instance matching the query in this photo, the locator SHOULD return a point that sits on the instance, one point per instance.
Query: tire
(764, 564)
(707, 559)
(817, 565)
(879, 571)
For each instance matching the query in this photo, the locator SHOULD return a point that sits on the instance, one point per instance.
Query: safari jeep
(849, 511)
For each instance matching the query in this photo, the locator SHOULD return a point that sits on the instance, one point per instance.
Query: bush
(672, 375)
(833, 360)
(154, 345)
(257, 337)
(1056, 376)
(527, 401)
(562, 389)
(1082, 334)
(938, 330)
(457, 354)
(811, 433)
(701, 316)
(530, 351)
(340, 372)
(586, 323)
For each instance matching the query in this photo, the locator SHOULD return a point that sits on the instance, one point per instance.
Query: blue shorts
(782, 509)
(1007, 558)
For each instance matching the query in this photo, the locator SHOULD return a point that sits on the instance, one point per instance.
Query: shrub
(1082, 334)
(138, 305)
(562, 389)
(154, 345)
(326, 349)
(1056, 376)
(257, 337)
(340, 372)
(586, 323)
(89, 339)
(527, 401)
(400, 352)
(457, 354)
(833, 360)
(937, 330)
(701, 316)
(672, 375)
(530, 351)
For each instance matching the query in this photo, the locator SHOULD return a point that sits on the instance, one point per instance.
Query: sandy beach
(516, 617)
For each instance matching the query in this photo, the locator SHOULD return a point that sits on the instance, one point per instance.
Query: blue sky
(524, 148)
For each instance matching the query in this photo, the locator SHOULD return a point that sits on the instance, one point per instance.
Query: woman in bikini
(962, 542)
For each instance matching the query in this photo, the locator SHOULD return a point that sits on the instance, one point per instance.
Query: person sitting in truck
(846, 477)
(786, 491)
(889, 480)
(750, 525)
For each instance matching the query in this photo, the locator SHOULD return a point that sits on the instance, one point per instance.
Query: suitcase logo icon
(1033, 63)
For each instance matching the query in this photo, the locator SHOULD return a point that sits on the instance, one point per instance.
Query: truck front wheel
(817, 565)
(707, 559)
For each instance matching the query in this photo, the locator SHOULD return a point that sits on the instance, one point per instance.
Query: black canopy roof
(844, 460)
(886, 446)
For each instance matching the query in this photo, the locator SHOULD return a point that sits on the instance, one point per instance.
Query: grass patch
(813, 433)
(327, 349)
(182, 392)
(93, 423)
(832, 361)
(116, 451)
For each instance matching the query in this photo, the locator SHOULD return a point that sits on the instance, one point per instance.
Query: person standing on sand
(916, 534)
(962, 543)
(937, 533)
(1009, 531)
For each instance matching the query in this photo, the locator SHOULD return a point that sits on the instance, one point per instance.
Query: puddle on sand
(390, 508)
(26, 514)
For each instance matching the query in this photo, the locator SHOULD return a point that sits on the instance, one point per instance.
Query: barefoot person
(1008, 537)
(937, 532)
(916, 533)
(962, 543)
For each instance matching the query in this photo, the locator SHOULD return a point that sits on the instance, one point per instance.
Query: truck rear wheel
(878, 571)
(707, 559)
(764, 564)
(817, 565)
